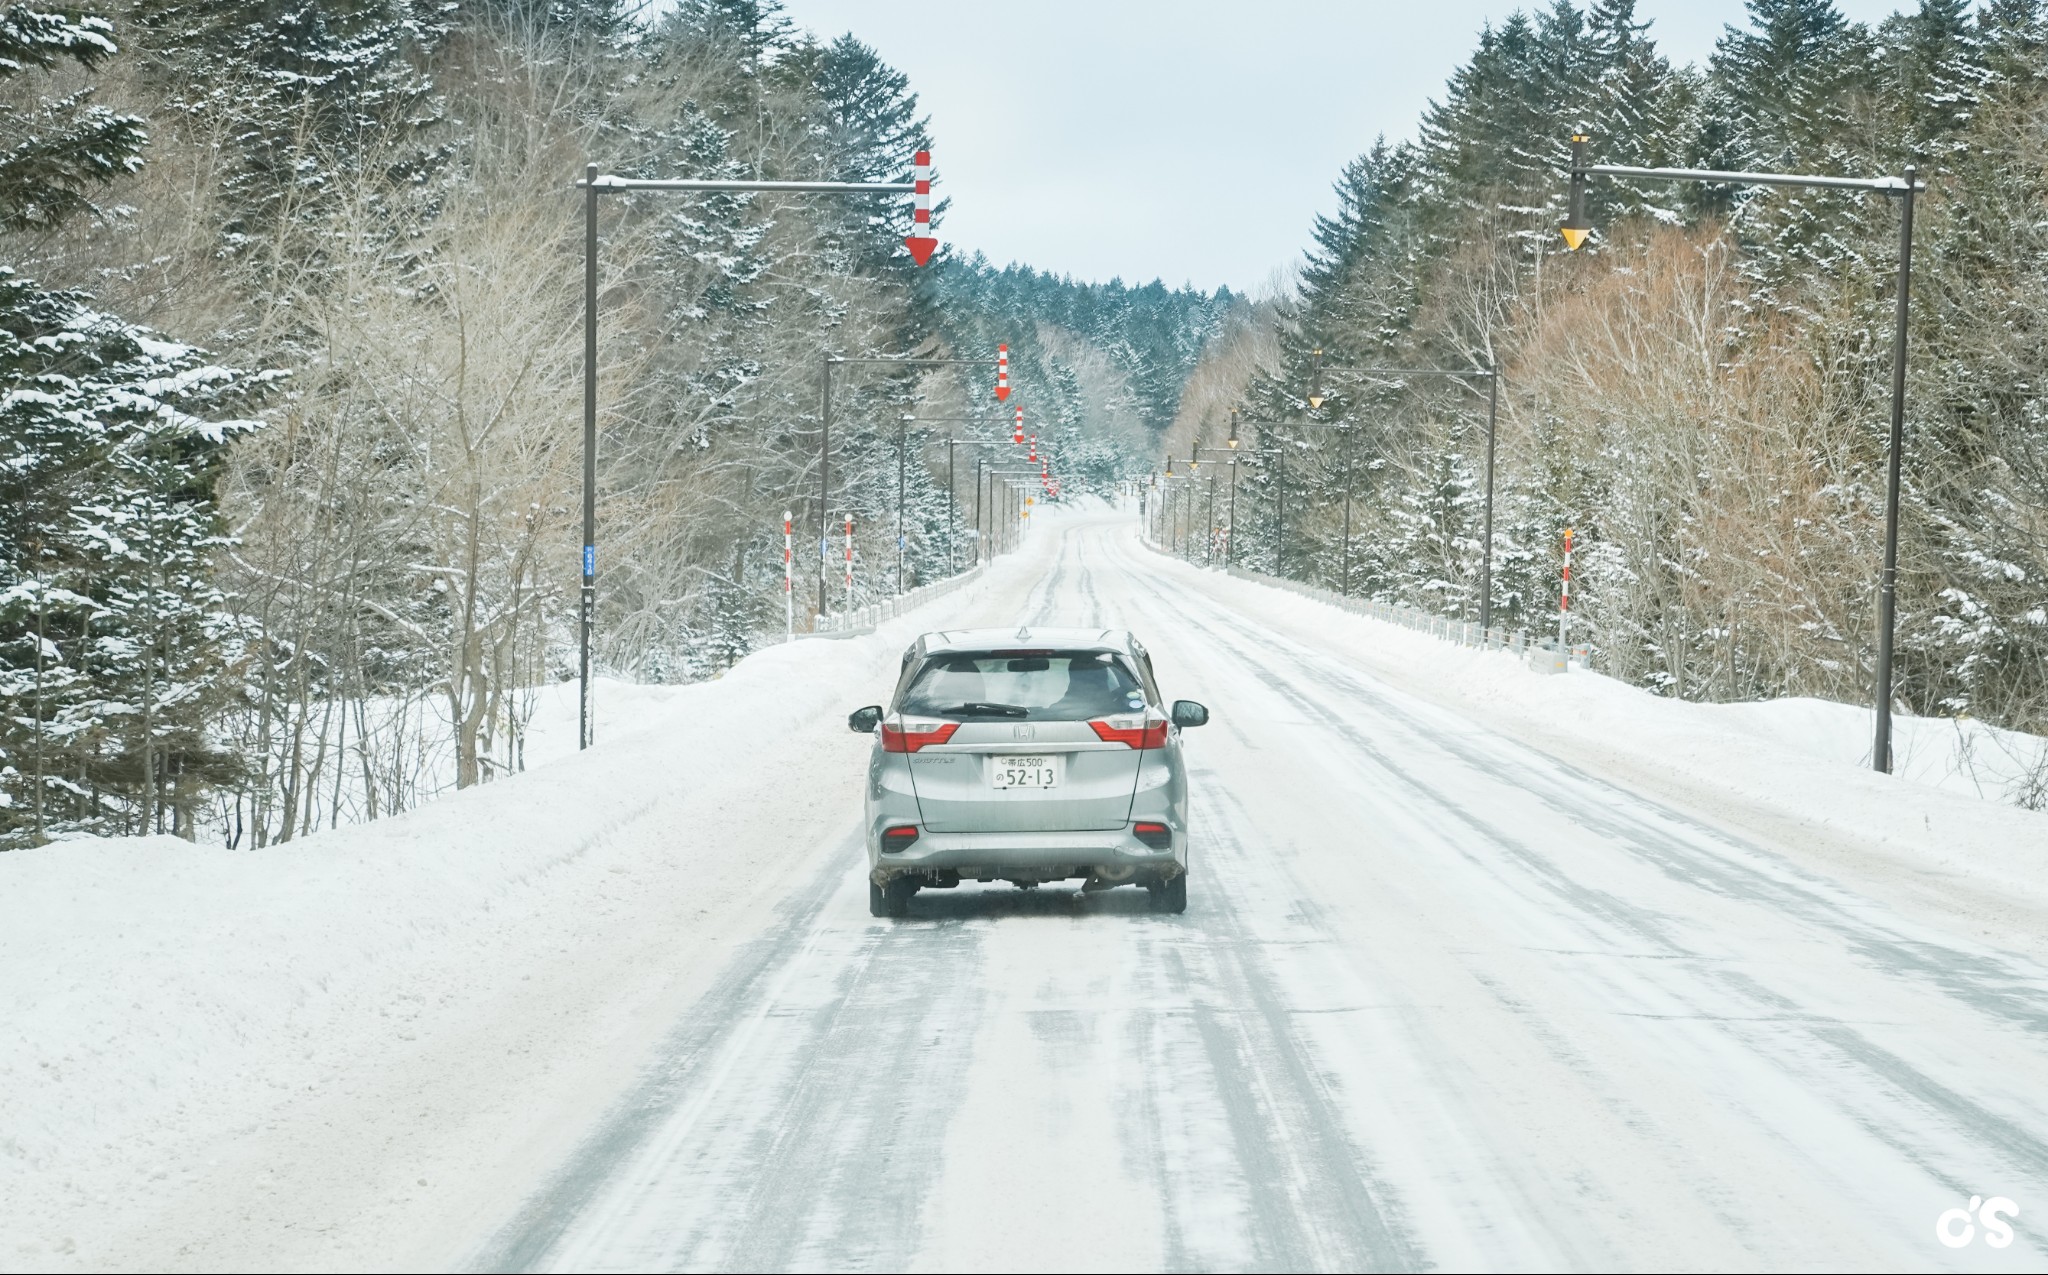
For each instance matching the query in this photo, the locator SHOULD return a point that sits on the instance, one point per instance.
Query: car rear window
(1033, 685)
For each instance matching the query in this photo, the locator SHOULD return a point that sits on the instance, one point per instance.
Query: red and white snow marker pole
(920, 242)
(849, 568)
(1017, 435)
(1564, 606)
(1034, 449)
(1003, 373)
(788, 574)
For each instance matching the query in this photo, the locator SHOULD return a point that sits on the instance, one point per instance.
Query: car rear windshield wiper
(978, 709)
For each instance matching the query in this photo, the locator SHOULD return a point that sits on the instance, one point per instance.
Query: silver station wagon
(1027, 755)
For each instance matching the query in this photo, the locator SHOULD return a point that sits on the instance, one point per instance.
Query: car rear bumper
(1046, 856)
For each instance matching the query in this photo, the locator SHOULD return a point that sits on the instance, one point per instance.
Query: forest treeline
(1702, 392)
(291, 335)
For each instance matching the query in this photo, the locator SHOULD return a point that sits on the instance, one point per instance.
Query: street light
(952, 514)
(1011, 479)
(825, 438)
(1279, 486)
(1171, 514)
(1209, 543)
(1236, 455)
(593, 185)
(1903, 188)
(1316, 398)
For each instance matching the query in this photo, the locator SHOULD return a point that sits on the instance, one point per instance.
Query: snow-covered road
(1441, 999)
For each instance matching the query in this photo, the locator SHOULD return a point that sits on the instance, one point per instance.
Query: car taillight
(895, 839)
(1156, 835)
(909, 737)
(1135, 732)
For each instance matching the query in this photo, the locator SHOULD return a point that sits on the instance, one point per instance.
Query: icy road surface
(1439, 1000)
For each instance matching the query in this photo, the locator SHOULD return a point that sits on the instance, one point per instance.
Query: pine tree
(57, 153)
(112, 634)
(113, 640)
(305, 90)
(866, 128)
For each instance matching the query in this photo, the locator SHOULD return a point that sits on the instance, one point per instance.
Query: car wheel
(1171, 896)
(896, 896)
(878, 902)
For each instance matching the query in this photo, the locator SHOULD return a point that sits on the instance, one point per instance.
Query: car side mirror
(862, 721)
(1187, 713)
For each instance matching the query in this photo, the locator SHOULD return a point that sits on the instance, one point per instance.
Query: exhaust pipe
(1107, 878)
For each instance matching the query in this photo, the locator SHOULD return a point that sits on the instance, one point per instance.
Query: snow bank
(1795, 772)
(1960, 755)
(162, 1002)
(161, 996)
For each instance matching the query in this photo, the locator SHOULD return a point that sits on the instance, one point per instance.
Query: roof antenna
(1023, 633)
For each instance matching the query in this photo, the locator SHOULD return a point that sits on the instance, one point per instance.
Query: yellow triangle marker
(1573, 236)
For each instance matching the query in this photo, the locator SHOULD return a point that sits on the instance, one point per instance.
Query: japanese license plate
(1025, 772)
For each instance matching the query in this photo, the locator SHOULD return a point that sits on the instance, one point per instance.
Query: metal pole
(593, 185)
(1720, 177)
(1486, 547)
(1344, 584)
(1887, 584)
(979, 463)
(1904, 187)
(824, 482)
(704, 185)
(951, 516)
(1209, 547)
(1230, 545)
(788, 581)
(1280, 515)
(902, 441)
(589, 598)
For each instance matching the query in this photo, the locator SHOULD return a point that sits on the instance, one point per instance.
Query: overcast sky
(1191, 141)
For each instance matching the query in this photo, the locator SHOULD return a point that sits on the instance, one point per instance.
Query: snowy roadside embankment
(1795, 770)
(1959, 755)
(168, 1004)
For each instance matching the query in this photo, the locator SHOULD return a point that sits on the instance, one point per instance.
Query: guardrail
(864, 619)
(1463, 632)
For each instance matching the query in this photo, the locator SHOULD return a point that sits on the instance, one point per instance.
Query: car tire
(1171, 896)
(895, 897)
(878, 902)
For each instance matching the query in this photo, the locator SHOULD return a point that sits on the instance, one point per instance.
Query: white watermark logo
(1957, 1227)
